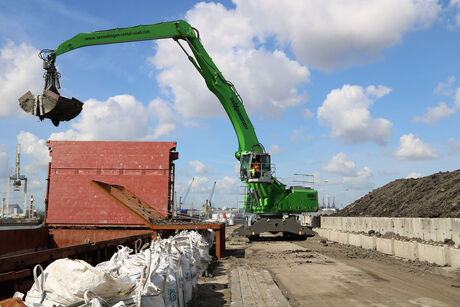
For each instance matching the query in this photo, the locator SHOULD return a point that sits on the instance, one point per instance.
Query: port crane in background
(182, 199)
(209, 200)
(206, 208)
(16, 180)
(277, 206)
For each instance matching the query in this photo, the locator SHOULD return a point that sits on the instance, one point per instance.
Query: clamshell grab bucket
(51, 105)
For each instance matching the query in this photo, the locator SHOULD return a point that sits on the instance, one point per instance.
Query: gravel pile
(436, 195)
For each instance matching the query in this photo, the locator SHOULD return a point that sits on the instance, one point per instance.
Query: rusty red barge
(84, 220)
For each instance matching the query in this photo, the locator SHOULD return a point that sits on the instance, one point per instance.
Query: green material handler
(275, 207)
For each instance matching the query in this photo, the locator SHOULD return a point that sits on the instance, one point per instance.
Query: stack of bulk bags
(164, 274)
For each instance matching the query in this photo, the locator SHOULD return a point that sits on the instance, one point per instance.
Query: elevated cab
(255, 167)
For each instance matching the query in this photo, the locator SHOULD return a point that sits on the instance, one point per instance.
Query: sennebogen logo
(236, 107)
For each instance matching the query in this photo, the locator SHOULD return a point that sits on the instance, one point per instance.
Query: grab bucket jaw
(51, 105)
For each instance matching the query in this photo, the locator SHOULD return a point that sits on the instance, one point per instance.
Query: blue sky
(356, 93)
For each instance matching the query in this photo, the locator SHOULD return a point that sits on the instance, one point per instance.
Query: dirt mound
(437, 195)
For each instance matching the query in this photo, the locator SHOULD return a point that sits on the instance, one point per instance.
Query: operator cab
(255, 167)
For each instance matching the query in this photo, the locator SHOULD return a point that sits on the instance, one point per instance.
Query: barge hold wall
(145, 168)
(80, 221)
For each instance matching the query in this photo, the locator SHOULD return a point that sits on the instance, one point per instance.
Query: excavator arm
(179, 31)
(265, 195)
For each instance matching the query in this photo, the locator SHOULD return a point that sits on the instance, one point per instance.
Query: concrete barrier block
(343, 237)
(454, 257)
(325, 222)
(367, 242)
(334, 235)
(456, 230)
(384, 245)
(354, 239)
(432, 253)
(403, 249)
(319, 231)
(323, 233)
(436, 229)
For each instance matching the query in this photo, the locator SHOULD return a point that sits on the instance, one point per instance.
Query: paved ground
(311, 273)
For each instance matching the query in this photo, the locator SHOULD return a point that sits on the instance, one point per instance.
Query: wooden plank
(218, 244)
(15, 275)
(275, 291)
(235, 286)
(222, 240)
(258, 296)
(265, 293)
(246, 291)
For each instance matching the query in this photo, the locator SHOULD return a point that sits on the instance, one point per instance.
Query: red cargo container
(145, 168)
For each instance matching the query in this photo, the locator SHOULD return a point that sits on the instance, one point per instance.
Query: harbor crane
(16, 180)
(182, 199)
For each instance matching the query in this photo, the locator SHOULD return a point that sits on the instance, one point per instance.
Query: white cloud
(454, 145)
(199, 167)
(361, 181)
(226, 185)
(4, 163)
(162, 113)
(345, 112)
(36, 151)
(296, 133)
(240, 39)
(377, 92)
(353, 178)
(267, 80)
(412, 148)
(300, 135)
(433, 115)
(445, 88)
(20, 71)
(236, 168)
(455, 4)
(340, 165)
(457, 98)
(336, 34)
(306, 113)
(276, 150)
(120, 117)
(414, 175)
(200, 185)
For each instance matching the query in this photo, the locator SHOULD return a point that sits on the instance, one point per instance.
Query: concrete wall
(344, 230)
(436, 229)
(439, 254)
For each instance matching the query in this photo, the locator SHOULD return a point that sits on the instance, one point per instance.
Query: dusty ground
(436, 195)
(310, 273)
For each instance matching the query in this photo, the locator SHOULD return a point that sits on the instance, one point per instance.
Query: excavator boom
(177, 30)
(266, 195)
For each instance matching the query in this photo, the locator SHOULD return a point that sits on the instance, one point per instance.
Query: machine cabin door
(255, 167)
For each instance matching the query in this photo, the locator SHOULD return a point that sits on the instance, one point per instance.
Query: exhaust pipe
(50, 104)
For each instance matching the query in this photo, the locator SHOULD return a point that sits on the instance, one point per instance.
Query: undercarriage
(288, 225)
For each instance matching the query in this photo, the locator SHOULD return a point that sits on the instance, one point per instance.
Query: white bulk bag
(65, 281)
